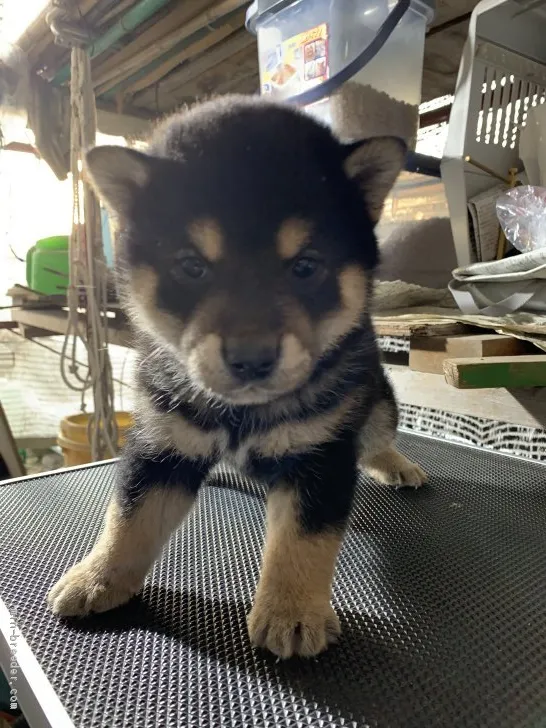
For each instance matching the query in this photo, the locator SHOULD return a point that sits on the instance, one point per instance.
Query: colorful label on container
(296, 64)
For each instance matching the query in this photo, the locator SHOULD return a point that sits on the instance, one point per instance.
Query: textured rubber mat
(441, 594)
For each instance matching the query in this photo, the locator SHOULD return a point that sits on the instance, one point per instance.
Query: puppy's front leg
(306, 515)
(152, 497)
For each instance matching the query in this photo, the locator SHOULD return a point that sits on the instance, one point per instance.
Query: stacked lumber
(479, 361)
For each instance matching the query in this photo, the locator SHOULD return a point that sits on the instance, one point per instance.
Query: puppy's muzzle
(250, 360)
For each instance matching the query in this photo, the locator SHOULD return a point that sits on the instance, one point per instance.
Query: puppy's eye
(305, 267)
(192, 266)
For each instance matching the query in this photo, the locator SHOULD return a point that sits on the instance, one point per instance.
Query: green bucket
(48, 265)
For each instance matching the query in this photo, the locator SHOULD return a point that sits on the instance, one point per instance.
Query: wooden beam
(125, 125)
(167, 88)
(392, 326)
(56, 322)
(239, 41)
(179, 15)
(240, 74)
(497, 371)
(163, 45)
(35, 443)
(430, 118)
(485, 345)
(246, 84)
(428, 353)
(22, 147)
(119, 9)
(517, 406)
(31, 332)
(194, 49)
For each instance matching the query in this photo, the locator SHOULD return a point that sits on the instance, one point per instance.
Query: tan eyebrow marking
(293, 235)
(206, 235)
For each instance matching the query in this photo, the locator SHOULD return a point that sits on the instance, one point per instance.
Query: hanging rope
(87, 290)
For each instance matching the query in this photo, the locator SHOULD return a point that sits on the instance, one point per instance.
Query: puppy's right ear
(117, 175)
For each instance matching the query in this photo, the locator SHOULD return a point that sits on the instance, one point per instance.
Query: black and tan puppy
(246, 257)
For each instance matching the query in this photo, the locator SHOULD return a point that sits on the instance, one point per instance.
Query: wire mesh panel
(440, 593)
(527, 442)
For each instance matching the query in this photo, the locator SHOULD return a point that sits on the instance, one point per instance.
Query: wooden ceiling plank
(235, 43)
(235, 76)
(204, 44)
(147, 55)
(176, 18)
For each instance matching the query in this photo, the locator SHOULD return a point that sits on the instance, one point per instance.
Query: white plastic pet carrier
(502, 74)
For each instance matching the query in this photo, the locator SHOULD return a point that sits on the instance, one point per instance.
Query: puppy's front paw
(393, 468)
(89, 587)
(304, 630)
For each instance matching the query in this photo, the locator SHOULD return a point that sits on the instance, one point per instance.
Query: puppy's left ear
(375, 164)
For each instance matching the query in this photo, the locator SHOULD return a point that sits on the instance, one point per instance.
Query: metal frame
(36, 696)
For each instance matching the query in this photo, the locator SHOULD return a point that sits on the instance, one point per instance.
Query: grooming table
(441, 594)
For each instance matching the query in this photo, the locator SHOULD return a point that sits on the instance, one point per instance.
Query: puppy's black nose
(250, 361)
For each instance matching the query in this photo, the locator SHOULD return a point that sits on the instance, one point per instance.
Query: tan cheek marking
(206, 363)
(143, 282)
(141, 305)
(293, 354)
(293, 235)
(206, 235)
(353, 287)
(298, 324)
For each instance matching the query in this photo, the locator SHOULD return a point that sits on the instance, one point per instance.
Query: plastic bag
(522, 216)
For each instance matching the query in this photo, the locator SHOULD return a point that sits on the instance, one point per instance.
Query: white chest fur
(173, 431)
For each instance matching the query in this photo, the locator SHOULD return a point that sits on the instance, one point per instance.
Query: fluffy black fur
(251, 165)
(245, 193)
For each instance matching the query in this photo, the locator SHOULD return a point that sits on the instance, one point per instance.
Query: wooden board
(396, 327)
(497, 371)
(178, 17)
(428, 353)
(169, 89)
(56, 321)
(517, 406)
(192, 49)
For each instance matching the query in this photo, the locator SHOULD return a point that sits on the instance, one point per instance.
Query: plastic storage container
(48, 265)
(303, 43)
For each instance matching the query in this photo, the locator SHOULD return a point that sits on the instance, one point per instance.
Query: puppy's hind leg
(147, 507)
(378, 455)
